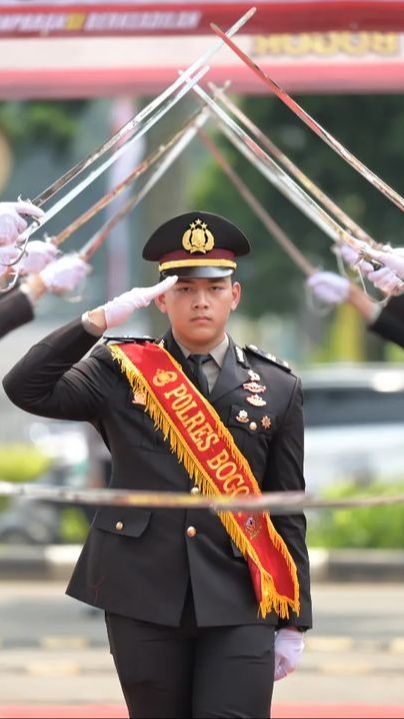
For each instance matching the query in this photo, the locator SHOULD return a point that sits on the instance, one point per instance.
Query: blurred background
(68, 79)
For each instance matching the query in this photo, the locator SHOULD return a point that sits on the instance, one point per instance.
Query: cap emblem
(198, 238)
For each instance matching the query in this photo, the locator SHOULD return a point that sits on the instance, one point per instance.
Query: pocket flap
(131, 523)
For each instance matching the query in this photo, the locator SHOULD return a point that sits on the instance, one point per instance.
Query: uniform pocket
(129, 523)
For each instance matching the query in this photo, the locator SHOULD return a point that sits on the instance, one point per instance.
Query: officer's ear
(236, 295)
(160, 303)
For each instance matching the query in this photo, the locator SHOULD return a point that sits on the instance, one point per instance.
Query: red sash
(210, 456)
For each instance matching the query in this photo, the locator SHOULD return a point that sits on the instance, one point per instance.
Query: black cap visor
(201, 271)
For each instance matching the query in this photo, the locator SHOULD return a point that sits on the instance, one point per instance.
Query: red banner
(92, 18)
(307, 63)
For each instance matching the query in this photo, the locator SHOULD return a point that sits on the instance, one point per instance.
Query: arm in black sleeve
(285, 473)
(390, 323)
(15, 310)
(47, 382)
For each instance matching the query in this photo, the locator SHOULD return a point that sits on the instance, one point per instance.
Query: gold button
(195, 490)
(119, 526)
(253, 425)
(191, 532)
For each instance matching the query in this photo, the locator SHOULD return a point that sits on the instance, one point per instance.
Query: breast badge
(256, 400)
(139, 398)
(266, 422)
(254, 377)
(254, 387)
(242, 416)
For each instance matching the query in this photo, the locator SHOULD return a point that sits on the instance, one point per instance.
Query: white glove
(120, 308)
(352, 257)
(8, 253)
(64, 274)
(329, 287)
(394, 260)
(289, 646)
(37, 255)
(386, 280)
(11, 222)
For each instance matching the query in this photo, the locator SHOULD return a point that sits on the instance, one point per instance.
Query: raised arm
(48, 382)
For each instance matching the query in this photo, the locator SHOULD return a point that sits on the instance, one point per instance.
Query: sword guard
(367, 258)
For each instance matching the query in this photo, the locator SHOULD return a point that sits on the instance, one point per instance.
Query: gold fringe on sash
(271, 600)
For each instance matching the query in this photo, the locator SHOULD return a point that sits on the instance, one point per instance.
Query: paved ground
(55, 663)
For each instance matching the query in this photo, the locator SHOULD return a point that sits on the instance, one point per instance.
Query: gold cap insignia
(198, 238)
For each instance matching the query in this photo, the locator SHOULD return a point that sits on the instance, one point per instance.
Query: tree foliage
(369, 126)
(50, 123)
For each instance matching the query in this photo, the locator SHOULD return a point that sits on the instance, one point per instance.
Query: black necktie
(199, 375)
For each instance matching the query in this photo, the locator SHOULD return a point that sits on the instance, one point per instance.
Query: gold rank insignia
(266, 422)
(198, 238)
(256, 400)
(254, 377)
(242, 416)
(254, 387)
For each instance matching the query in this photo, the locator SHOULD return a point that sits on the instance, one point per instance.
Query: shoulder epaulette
(269, 357)
(124, 339)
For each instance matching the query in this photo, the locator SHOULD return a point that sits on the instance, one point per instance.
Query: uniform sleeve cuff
(90, 327)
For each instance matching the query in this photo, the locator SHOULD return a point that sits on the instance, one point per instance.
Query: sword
(293, 170)
(98, 239)
(276, 175)
(274, 502)
(75, 191)
(273, 228)
(326, 136)
(143, 167)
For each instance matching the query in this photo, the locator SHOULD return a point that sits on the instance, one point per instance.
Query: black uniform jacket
(137, 562)
(390, 323)
(15, 310)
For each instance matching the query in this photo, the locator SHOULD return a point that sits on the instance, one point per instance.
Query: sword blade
(170, 155)
(277, 154)
(275, 174)
(274, 502)
(273, 228)
(75, 191)
(326, 136)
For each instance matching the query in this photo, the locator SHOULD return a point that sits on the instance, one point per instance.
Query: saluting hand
(120, 308)
(289, 645)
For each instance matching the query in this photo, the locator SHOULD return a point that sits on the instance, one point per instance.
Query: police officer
(202, 611)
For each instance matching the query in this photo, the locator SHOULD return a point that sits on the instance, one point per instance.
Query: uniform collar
(233, 372)
(218, 353)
